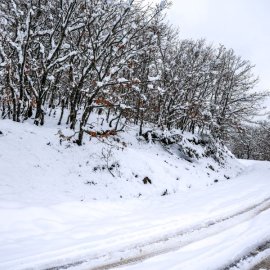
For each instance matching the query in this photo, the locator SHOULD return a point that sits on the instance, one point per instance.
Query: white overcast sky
(243, 25)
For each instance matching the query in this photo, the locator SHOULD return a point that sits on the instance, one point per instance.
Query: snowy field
(57, 209)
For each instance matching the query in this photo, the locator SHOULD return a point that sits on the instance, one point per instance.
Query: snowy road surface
(210, 228)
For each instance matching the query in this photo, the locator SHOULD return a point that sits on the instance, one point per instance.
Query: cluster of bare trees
(252, 141)
(121, 58)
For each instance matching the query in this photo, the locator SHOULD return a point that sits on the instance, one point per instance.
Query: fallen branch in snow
(101, 134)
(65, 138)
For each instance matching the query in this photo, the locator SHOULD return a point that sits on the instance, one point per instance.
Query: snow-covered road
(202, 229)
(221, 247)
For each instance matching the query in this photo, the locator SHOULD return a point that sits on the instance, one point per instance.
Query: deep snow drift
(60, 203)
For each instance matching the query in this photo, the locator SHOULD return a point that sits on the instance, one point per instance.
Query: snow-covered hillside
(37, 168)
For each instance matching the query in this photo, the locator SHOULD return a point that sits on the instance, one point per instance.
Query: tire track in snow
(169, 242)
(251, 255)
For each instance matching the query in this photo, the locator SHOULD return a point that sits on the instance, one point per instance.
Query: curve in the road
(170, 242)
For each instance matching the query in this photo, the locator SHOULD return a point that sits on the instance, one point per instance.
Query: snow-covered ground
(57, 206)
(37, 170)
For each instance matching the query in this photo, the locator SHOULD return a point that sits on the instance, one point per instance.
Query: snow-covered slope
(61, 203)
(37, 169)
